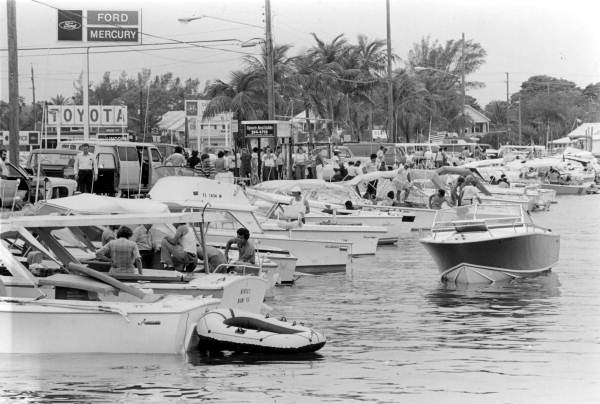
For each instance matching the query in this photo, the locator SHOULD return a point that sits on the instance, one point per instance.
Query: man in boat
(86, 170)
(437, 200)
(298, 208)
(143, 239)
(179, 252)
(402, 183)
(122, 253)
(108, 234)
(214, 256)
(456, 189)
(245, 247)
(469, 194)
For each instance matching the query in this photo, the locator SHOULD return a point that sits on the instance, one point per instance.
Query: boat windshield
(490, 215)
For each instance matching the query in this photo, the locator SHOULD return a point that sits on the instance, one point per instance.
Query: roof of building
(587, 129)
(476, 115)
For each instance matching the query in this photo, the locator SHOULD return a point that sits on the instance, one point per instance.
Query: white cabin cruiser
(49, 235)
(40, 325)
(489, 243)
(314, 255)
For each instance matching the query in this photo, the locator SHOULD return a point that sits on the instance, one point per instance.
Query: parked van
(123, 167)
(364, 151)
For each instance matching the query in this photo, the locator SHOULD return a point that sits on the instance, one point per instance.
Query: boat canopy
(97, 204)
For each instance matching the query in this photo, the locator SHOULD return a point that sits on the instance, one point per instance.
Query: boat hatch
(258, 325)
(470, 226)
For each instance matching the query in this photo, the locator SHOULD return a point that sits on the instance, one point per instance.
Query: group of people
(129, 251)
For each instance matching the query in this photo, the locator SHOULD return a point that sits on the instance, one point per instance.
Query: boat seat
(77, 282)
(464, 227)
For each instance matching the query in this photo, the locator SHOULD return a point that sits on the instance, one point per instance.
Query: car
(19, 186)
(52, 162)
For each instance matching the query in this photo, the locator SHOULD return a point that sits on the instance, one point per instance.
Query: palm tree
(59, 100)
(240, 96)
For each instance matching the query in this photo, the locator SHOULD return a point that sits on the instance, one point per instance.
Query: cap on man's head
(296, 190)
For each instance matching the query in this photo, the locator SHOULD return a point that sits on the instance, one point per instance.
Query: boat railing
(238, 268)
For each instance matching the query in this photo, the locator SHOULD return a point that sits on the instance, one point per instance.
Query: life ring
(229, 330)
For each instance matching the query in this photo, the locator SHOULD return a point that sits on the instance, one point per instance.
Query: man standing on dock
(86, 170)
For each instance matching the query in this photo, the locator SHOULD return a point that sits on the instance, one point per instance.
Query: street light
(186, 20)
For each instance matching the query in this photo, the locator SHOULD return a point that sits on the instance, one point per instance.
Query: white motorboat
(18, 232)
(314, 255)
(489, 243)
(235, 330)
(41, 325)
(323, 195)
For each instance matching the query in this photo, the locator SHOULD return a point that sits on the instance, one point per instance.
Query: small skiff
(237, 330)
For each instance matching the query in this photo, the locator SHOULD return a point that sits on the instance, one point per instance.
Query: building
(214, 132)
(479, 123)
(586, 137)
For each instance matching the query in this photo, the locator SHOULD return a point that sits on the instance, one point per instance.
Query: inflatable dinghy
(237, 330)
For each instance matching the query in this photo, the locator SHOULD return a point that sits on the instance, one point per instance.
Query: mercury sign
(99, 115)
(114, 26)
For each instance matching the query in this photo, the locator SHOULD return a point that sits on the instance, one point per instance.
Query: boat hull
(313, 255)
(498, 258)
(88, 327)
(567, 189)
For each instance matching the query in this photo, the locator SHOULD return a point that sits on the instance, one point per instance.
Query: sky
(523, 38)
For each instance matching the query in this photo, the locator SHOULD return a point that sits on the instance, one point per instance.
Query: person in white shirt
(268, 162)
(176, 159)
(300, 158)
(3, 169)
(86, 169)
(297, 209)
(402, 183)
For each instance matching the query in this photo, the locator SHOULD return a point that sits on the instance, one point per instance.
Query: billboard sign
(191, 108)
(70, 26)
(99, 115)
(112, 26)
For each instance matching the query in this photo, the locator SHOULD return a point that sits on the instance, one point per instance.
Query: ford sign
(69, 25)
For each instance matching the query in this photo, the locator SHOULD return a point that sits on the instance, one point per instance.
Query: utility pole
(13, 83)
(390, 126)
(462, 85)
(86, 97)
(33, 94)
(548, 119)
(507, 97)
(270, 76)
(520, 133)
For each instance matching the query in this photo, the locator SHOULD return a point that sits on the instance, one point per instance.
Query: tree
(238, 96)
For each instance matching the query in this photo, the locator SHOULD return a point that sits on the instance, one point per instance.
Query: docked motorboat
(70, 323)
(489, 243)
(236, 330)
(195, 193)
(58, 253)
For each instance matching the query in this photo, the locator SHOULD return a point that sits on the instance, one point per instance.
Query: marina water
(396, 334)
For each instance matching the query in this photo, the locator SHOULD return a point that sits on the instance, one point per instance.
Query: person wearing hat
(297, 208)
(86, 169)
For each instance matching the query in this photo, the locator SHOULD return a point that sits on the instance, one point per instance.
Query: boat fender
(267, 315)
(283, 319)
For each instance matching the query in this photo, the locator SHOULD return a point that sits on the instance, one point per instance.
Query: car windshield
(55, 159)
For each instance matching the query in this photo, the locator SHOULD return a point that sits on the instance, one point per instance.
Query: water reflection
(239, 358)
(510, 295)
(508, 315)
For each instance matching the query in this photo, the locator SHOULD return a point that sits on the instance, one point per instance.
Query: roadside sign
(112, 34)
(113, 18)
(69, 25)
(259, 129)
